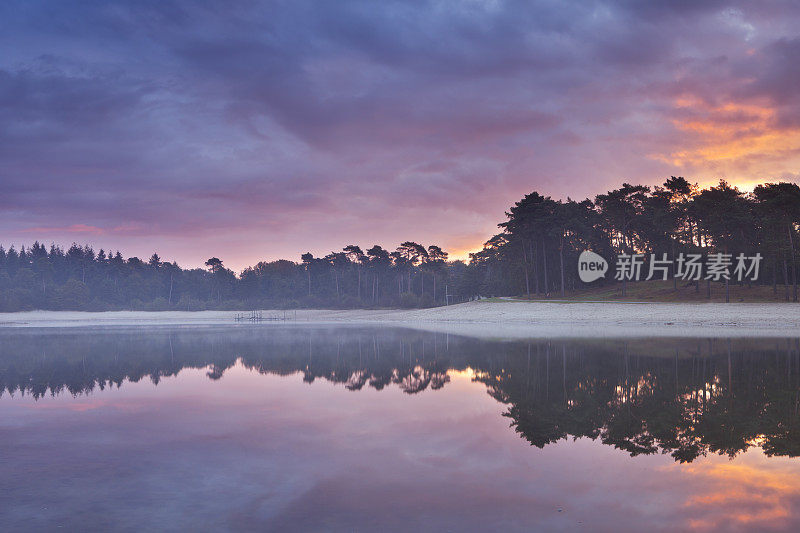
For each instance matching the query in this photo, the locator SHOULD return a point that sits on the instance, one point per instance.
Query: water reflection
(684, 397)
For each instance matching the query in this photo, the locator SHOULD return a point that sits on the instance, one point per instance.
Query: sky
(255, 130)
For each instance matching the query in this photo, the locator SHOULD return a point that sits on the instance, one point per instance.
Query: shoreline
(506, 319)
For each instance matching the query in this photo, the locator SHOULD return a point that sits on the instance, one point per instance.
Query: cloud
(75, 228)
(299, 125)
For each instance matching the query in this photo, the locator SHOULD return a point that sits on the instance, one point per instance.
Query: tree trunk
(727, 293)
(534, 259)
(794, 272)
(561, 259)
(434, 288)
(785, 277)
(170, 288)
(775, 276)
(672, 268)
(708, 281)
(544, 268)
(525, 268)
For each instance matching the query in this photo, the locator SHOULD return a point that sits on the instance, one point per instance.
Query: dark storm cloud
(302, 124)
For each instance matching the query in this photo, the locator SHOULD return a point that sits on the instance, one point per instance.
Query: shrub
(409, 300)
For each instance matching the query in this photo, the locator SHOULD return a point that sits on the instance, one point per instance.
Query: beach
(489, 319)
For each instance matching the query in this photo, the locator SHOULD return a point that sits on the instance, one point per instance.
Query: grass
(663, 291)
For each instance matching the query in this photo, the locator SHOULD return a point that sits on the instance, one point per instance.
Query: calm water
(354, 429)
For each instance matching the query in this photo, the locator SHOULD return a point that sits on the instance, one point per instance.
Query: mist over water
(357, 428)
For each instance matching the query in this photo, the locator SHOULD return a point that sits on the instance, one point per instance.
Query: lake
(290, 427)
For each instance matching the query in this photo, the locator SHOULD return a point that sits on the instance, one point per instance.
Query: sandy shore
(508, 319)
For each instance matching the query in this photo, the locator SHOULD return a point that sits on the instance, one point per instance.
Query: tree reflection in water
(683, 397)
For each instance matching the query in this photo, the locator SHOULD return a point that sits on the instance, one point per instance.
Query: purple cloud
(255, 130)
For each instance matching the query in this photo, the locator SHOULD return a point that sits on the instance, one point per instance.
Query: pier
(258, 316)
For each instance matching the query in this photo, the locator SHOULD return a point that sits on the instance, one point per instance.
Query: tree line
(535, 254)
(537, 251)
(38, 277)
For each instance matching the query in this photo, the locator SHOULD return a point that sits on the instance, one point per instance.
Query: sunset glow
(253, 133)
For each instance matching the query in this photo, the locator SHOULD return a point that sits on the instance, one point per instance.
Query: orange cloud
(741, 141)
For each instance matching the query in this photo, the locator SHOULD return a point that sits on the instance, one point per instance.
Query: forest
(534, 255)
